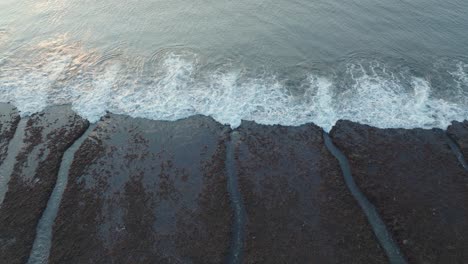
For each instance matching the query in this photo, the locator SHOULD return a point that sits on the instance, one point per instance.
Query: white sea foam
(27, 85)
(390, 102)
(178, 89)
(92, 101)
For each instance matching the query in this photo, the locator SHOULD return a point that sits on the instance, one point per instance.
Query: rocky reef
(416, 183)
(298, 207)
(32, 174)
(9, 118)
(146, 192)
(458, 131)
(196, 191)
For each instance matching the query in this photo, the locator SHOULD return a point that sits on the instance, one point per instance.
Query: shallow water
(386, 63)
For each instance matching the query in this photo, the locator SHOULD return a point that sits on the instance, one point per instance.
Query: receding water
(386, 63)
(237, 203)
(8, 166)
(43, 240)
(384, 237)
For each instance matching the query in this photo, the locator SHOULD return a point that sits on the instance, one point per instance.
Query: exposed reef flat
(143, 191)
(299, 209)
(195, 191)
(458, 131)
(33, 173)
(417, 184)
(9, 118)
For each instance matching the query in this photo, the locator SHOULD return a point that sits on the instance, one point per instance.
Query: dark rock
(47, 135)
(298, 207)
(459, 132)
(417, 185)
(144, 191)
(9, 118)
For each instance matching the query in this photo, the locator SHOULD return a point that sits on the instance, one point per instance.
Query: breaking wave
(177, 84)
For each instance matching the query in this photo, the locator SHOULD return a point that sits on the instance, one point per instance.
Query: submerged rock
(142, 191)
(9, 118)
(459, 132)
(298, 207)
(417, 185)
(34, 171)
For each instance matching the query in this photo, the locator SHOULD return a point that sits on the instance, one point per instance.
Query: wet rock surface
(417, 185)
(46, 137)
(9, 118)
(458, 131)
(142, 191)
(298, 207)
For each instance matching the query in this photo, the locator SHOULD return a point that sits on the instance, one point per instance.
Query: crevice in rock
(238, 228)
(380, 230)
(42, 243)
(457, 151)
(14, 147)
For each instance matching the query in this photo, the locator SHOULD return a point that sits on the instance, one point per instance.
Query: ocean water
(385, 63)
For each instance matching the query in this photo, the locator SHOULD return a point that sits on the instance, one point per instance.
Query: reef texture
(47, 135)
(145, 191)
(458, 131)
(9, 118)
(299, 209)
(417, 185)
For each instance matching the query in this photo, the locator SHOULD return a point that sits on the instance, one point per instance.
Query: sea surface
(387, 63)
